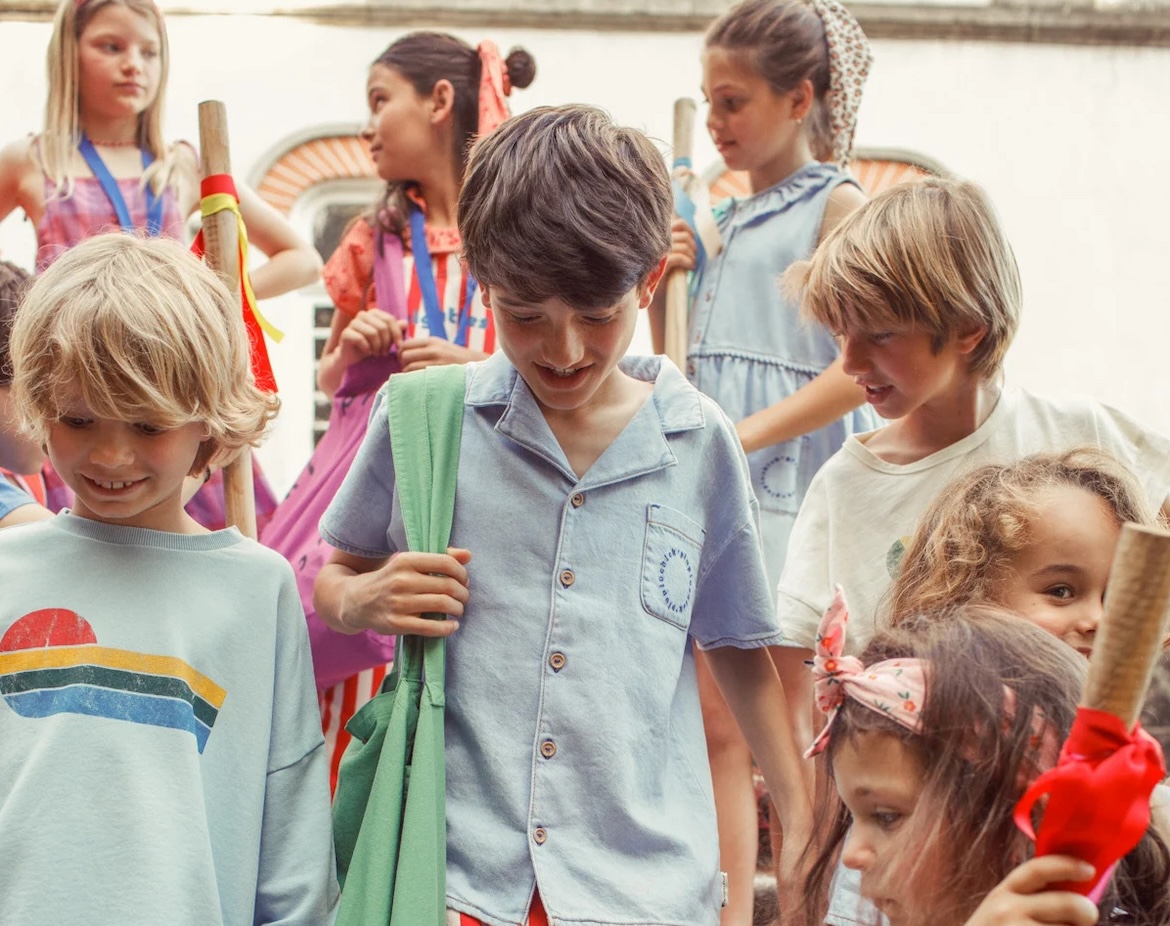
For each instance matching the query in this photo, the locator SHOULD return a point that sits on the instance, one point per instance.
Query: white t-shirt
(861, 511)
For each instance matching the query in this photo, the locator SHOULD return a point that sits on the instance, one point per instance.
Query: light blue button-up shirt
(576, 760)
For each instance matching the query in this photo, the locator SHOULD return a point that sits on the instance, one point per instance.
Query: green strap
(425, 415)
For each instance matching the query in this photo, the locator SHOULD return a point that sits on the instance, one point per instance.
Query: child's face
(751, 124)
(123, 472)
(567, 356)
(399, 130)
(879, 781)
(119, 63)
(1058, 582)
(903, 374)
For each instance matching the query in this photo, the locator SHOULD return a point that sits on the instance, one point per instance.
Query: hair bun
(521, 67)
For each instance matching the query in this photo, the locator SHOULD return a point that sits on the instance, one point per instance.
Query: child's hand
(370, 333)
(1023, 897)
(392, 599)
(682, 247)
(419, 353)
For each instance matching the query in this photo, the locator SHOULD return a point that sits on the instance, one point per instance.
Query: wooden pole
(675, 339)
(221, 240)
(1133, 625)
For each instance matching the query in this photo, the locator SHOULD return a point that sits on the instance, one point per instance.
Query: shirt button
(578, 500)
(690, 368)
(708, 296)
(557, 661)
(539, 836)
(567, 578)
(548, 749)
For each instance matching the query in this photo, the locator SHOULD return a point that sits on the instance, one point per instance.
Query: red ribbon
(261, 365)
(1098, 795)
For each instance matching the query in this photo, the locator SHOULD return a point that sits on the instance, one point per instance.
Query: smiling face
(119, 61)
(567, 356)
(1058, 581)
(123, 472)
(902, 371)
(879, 780)
(754, 127)
(399, 131)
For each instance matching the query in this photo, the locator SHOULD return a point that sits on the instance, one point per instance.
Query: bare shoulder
(844, 199)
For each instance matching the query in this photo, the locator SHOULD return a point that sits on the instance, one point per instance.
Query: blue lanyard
(154, 205)
(436, 319)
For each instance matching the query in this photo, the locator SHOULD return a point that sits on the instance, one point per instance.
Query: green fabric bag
(389, 814)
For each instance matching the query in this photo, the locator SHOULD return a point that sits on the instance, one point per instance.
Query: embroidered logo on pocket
(670, 565)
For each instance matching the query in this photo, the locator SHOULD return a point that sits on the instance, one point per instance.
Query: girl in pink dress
(101, 164)
(404, 300)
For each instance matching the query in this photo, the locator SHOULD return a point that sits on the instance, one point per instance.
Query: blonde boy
(922, 290)
(162, 759)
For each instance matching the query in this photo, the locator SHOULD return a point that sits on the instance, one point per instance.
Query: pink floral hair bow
(895, 688)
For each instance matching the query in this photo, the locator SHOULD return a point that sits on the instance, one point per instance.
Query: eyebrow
(1060, 569)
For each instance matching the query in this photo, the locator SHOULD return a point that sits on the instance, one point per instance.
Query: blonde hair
(930, 254)
(139, 330)
(968, 538)
(62, 131)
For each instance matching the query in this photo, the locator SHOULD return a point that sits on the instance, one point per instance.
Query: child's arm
(749, 683)
(818, 403)
(369, 333)
(292, 261)
(353, 593)
(1023, 897)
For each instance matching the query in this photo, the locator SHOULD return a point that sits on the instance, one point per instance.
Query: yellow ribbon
(220, 202)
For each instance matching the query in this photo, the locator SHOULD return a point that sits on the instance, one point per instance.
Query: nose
(132, 60)
(111, 449)
(565, 346)
(367, 132)
(1088, 617)
(853, 359)
(857, 853)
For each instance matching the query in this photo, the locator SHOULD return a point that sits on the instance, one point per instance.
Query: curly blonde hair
(139, 330)
(968, 538)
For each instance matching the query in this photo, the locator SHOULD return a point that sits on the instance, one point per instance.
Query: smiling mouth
(111, 486)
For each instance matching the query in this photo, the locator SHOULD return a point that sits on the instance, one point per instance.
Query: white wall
(1068, 140)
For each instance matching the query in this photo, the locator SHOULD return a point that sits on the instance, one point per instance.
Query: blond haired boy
(162, 756)
(921, 287)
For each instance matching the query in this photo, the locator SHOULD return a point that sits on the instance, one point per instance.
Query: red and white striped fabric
(536, 916)
(451, 282)
(338, 704)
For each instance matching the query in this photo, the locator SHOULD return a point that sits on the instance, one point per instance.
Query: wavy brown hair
(978, 752)
(968, 539)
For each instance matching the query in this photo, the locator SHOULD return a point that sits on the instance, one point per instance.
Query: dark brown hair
(978, 751)
(560, 202)
(424, 59)
(13, 284)
(784, 42)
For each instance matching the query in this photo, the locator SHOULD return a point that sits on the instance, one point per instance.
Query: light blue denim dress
(749, 347)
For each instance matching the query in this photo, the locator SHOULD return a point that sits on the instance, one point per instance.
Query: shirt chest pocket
(670, 565)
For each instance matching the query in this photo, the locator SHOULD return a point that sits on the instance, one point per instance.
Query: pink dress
(350, 668)
(88, 212)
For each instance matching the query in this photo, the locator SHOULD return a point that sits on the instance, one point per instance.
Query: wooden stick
(221, 240)
(675, 338)
(1133, 626)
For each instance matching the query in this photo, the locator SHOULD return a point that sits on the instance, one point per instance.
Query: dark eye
(1061, 592)
(73, 421)
(886, 819)
(879, 337)
(149, 429)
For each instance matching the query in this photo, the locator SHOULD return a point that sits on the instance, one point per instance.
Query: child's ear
(208, 449)
(442, 100)
(653, 279)
(485, 295)
(803, 97)
(966, 341)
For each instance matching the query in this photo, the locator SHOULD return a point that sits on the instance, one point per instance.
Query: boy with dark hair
(613, 525)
